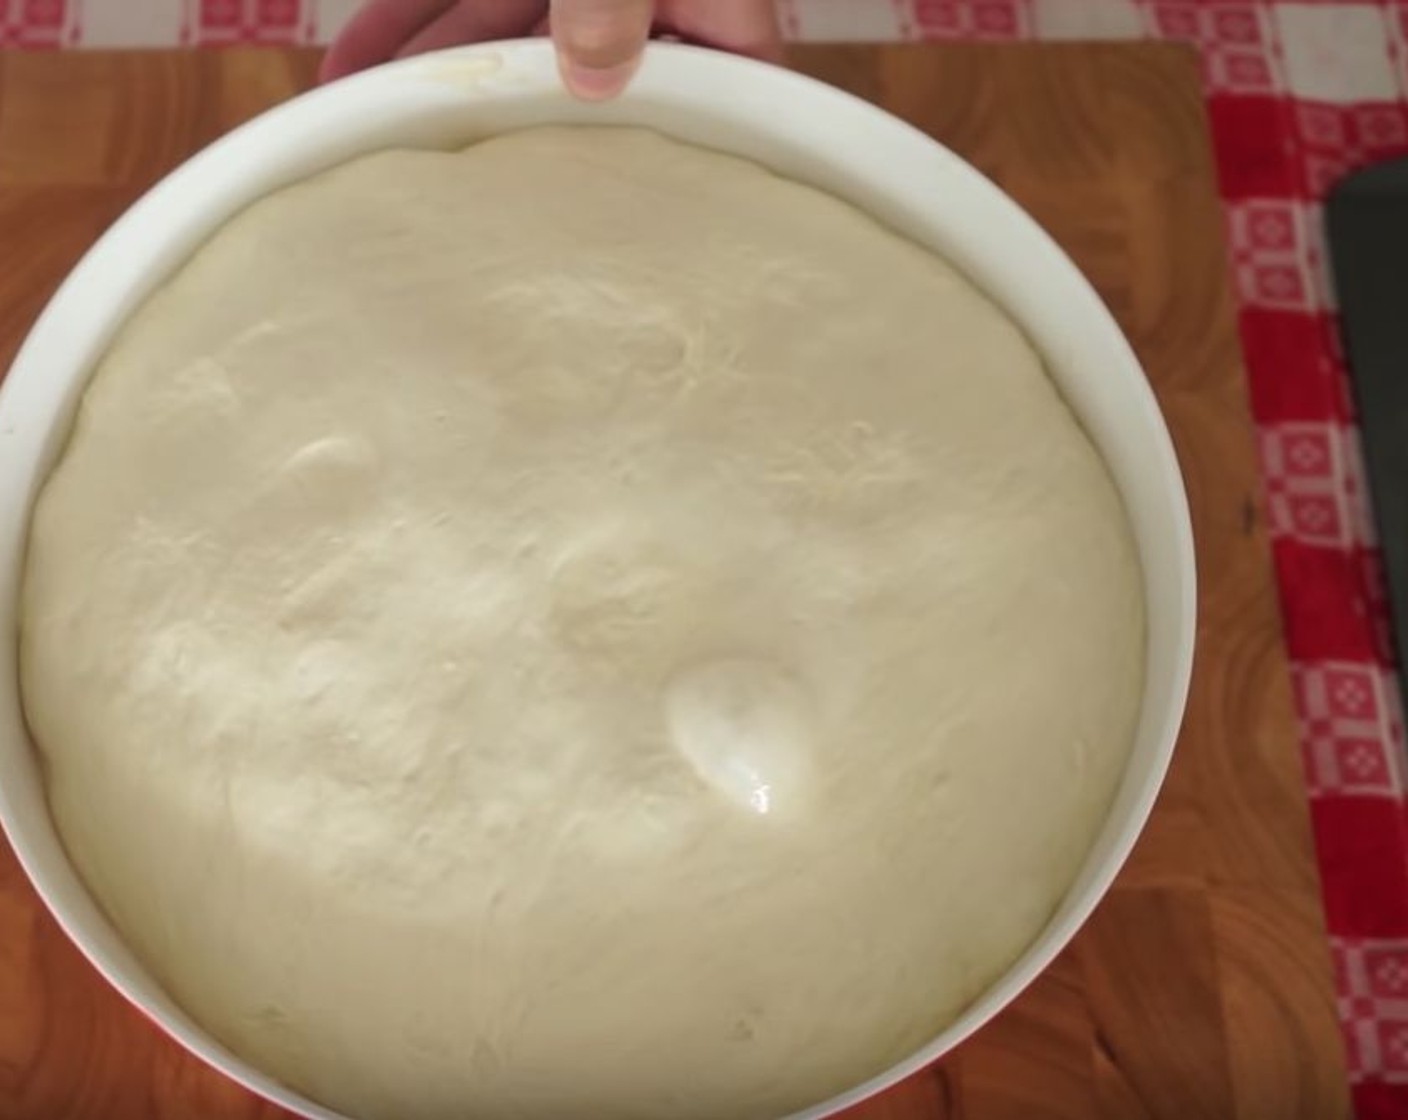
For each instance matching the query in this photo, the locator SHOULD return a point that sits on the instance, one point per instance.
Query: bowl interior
(791, 124)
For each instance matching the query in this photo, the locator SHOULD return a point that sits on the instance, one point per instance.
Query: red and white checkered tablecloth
(1298, 93)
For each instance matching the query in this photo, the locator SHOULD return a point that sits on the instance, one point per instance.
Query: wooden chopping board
(1200, 990)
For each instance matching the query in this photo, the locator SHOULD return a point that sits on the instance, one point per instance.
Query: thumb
(599, 43)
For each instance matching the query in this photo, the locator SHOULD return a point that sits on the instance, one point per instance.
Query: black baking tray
(1367, 219)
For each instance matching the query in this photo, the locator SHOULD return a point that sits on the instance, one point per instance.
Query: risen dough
(580, 627)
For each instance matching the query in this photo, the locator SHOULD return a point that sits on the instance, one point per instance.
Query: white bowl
(798, 127)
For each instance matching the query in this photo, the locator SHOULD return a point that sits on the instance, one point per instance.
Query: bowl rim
(73, 297)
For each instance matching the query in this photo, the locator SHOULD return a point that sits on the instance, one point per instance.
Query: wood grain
(1201, 987)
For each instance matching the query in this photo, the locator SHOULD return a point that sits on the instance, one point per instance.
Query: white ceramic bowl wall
(796, 126)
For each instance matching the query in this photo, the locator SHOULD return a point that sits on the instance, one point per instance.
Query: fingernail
(597, 84)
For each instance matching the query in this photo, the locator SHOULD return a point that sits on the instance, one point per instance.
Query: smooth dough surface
(580, 627)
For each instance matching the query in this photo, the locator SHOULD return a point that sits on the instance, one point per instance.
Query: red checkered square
(1321, 126)
(1236, 26)
(1362, 762)
(43, 14)
(1254, 157)
(34, 23)
(1393, 1046)
(1278, 254)
(1270, 226)
(1349, 742)
(1315, 493)
(1382, 129)
(1309, 453)
(1359, 840)
(1314, 516)
(227, 22)
(1234, 39)
(1336, 139)
(1373, 1005)
(1293, 375)
(1387, 969)
(1349, 692)
(1327, 615)
(971, 19)
(1247, 71)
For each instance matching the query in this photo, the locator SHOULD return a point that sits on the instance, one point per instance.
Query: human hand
(599, 42)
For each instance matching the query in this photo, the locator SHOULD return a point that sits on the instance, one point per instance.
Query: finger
(743, 26)
(476, 21)
(599, 43)
(376, 32)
